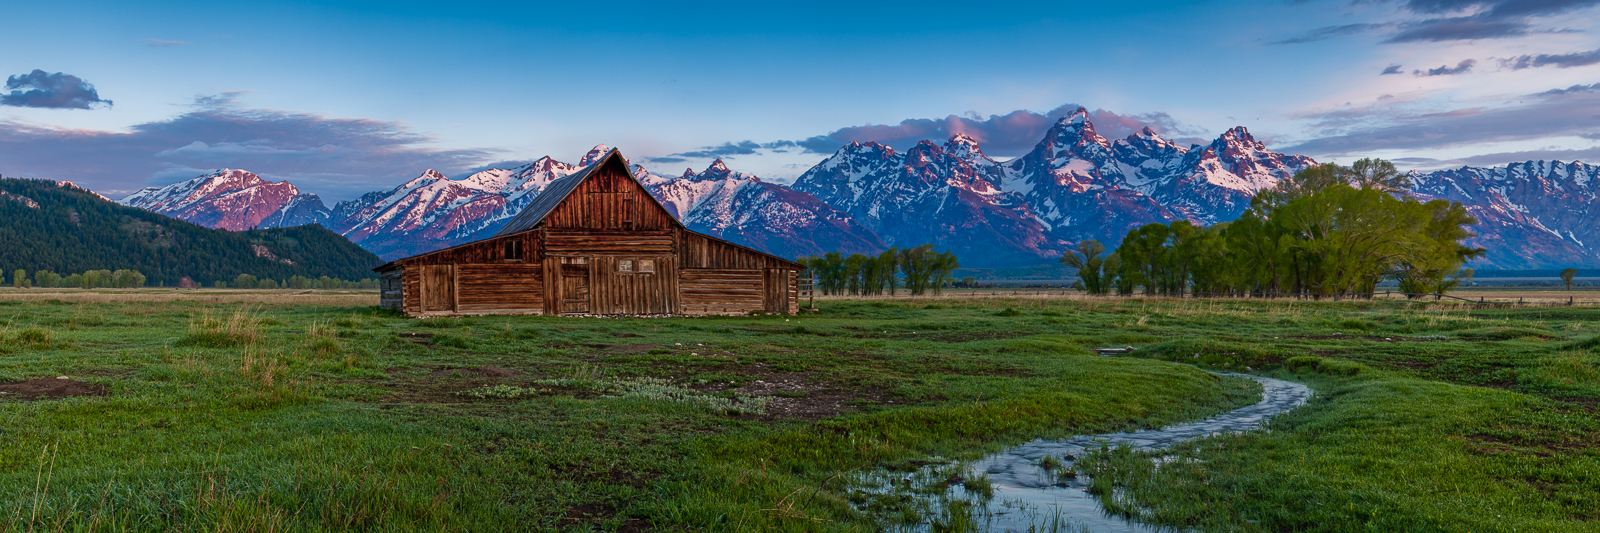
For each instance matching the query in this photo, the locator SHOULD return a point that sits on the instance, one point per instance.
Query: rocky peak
(594, 154)
(963, 146)
(688, 173)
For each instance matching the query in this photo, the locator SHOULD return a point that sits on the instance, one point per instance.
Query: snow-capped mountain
(432, 211)
(1534, 214)
(1074, 185)
(947, 196)
(231, 199)
(741, 208)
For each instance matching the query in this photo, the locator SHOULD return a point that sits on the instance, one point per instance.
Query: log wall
(701, 251)
(500, 288)
(391, 289)
(721, 291)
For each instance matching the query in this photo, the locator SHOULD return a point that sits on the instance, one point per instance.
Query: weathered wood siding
(500, 288)
(583, 242)
(610, 200)
(391, 289)
(722, 291)
(633, 293)
(700, 251)
(412, 281)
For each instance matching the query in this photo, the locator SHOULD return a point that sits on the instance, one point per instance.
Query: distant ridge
(45, 225)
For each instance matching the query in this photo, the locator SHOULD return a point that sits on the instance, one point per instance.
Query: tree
(1377, 174)
(19, 279)
(1091, 266)
(46, 278)
(1567, 275)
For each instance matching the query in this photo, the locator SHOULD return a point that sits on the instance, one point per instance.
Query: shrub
(1009, 312)
(241, 329)
(1322, 365)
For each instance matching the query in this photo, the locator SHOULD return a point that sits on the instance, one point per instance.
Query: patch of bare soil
(627, 335)
(632, 348)
(480, 372)
(1390, 338)
(599, 512)
(48, 389)
(798, 395)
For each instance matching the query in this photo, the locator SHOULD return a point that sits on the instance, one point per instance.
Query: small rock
(61, 377)
(1062, 485)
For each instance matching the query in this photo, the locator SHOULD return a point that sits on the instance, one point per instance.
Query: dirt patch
(1482, 444)
(632, 348)
(601, 512)
(1390, 338)
(627, 335)
(480, 372)
(49, 389)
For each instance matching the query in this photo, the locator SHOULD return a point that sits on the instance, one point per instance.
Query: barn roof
(558, 191)
(552, 197)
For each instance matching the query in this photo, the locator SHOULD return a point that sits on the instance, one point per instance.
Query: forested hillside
(46, 226)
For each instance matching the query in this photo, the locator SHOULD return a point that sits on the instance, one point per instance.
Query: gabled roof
(551, 197)
(558, 191)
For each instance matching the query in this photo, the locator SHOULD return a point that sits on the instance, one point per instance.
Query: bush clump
(1323, 365)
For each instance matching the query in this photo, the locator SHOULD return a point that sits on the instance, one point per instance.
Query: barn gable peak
(560, 190)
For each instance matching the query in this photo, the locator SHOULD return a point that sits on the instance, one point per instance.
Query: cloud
(728, 150)
(40, 89)
(335, 157)
(1457, 29)
(1391, 69)
(1573, 89)
(1007, 135)
(1576, 59)
(1329, 32)
(1446, 70)
(1551, 114)
(158, 43)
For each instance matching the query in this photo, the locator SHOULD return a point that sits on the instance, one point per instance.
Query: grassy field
(292, 410)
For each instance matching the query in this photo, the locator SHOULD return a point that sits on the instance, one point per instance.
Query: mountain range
(1075, 184)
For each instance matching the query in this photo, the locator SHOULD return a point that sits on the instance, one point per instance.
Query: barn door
(574, 285)
(776, 296)
(438, 288)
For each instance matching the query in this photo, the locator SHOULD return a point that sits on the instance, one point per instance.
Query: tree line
(68, 230)
(919, 270)
(1328, 231)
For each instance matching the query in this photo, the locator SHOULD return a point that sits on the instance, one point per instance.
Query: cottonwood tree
(1092, 271)
(1328, 231)
(1567, 275)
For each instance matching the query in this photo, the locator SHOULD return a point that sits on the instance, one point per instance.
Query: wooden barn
(593, 243)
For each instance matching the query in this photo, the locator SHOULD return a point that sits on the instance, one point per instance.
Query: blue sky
(347, 98)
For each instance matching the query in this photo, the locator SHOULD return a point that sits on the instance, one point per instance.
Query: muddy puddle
(1035, 486)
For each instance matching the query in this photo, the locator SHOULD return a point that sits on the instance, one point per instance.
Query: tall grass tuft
(241, 329)
(322, 339)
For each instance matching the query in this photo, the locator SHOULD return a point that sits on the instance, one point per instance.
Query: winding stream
(1027, 495)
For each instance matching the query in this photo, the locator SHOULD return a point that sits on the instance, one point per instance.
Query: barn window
(574, 260)
(513, 250)
(624, 265)
(647, 265)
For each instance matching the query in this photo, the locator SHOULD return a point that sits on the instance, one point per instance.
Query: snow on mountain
(948, 196)
(432, 211)
(1534, 214)
(231, 199)
(739, 207)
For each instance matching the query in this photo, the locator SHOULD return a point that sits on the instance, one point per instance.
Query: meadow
(222, 410)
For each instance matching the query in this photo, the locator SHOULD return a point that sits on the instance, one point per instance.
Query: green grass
(326, 418)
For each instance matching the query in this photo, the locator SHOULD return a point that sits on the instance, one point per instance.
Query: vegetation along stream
(1037, 486)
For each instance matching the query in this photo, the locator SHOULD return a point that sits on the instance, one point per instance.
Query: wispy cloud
(337, 157)
(1576, 59)
(1329, 32)
(41, 89)
(1567, 112)
(1446, 70)
(1391, 69)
